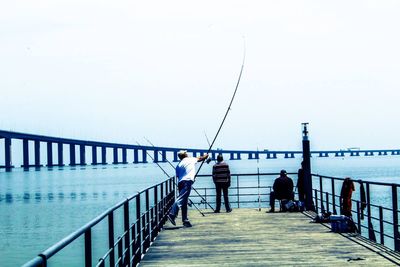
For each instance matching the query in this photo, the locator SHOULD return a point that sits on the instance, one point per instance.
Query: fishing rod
(208, 141)
(203, 200)
(190, 201)
(228, 109)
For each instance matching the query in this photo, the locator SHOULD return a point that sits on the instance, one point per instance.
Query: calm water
(38, 208)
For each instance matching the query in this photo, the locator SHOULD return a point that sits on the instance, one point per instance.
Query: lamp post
(307, 168)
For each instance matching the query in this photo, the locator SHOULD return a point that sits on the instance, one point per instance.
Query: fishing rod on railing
(202, 198)
(191, 203)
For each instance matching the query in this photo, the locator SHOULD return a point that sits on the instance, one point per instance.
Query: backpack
(342, 224)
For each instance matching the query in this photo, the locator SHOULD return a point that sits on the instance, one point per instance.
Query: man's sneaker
(271, 210)
(216, 211)
(230, 210)
(187, 224)
(171, 218)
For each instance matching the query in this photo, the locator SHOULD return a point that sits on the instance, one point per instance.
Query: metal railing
(375, 214)
(128, 248)
(246, 190)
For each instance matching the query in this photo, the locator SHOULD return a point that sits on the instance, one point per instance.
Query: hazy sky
(121, 70)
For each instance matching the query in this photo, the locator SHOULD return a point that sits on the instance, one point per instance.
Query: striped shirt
(221, 173)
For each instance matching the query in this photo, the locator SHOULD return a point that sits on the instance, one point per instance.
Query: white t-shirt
(185, 170)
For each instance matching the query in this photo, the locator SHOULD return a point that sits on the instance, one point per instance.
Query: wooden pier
(248, 237)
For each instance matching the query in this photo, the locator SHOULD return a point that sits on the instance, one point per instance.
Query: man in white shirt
(185, 172)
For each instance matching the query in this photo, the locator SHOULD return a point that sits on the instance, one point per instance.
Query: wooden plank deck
(248, 237)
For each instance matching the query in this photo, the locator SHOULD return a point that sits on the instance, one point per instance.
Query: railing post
(156, 214)
(111, 237)
(127, 237)
(120, 256)
(327, 201)
(316, 200)
(148, 224)
(359, 216)
(88, 247)
(333, 197)
(237, 190)
(369, 219)
(381, 228)
(7, 147)
(395, 218)
(321, 194)
(138, 249)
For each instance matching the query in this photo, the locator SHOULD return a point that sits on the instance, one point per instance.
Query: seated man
(283, 189)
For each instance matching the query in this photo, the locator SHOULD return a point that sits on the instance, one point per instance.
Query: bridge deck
(247, 237)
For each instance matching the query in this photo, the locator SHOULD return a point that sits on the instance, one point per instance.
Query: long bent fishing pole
(194, 189)
(190, 201)
(228, 109)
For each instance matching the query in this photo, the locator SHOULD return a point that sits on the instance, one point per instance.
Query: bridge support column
(103, 155)
(94, 155)
(155, 156)
(175, 156)
(37, 154)
(307, 169)
(25, 151)
(238, 156)
(82, 154)
(49, 154)
(115, 155)
(135, 156)
(144, 156)
(164, 156)
(250, 156)
(124, 161)
(72, 157)
(60, 154)
(7, 156)
(232, 156)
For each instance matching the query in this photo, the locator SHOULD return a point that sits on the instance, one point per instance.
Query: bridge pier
(250, 156)
(232, 156)
(164, 156)
(82, 155)
(94, 155)
(37, 154)
(238, 156)
(103, 155)
(124, 158)
(144, 156)
(72, 156)
(25, 152)
(175, 156)
(7, 156)
(115, 155)
(339, 154)
(155, 157)
(60, 154)
(136, 156)
(49, 154)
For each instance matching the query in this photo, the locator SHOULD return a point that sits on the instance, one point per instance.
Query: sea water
(40, 207)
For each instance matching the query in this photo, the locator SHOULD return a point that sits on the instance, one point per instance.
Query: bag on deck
(342, 224)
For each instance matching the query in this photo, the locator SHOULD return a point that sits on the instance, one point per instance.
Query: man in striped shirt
(222, 179)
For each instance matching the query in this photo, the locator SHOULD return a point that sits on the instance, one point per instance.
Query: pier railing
(125, 248)
(376, 216)
(374, 207)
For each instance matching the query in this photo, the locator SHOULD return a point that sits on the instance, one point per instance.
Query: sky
(119, 71)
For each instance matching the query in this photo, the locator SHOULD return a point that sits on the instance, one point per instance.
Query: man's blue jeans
(184, 188)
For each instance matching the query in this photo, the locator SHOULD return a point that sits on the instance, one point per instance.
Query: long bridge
(98, 152)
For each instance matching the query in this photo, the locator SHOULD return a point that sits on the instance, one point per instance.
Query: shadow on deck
(248, 237)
